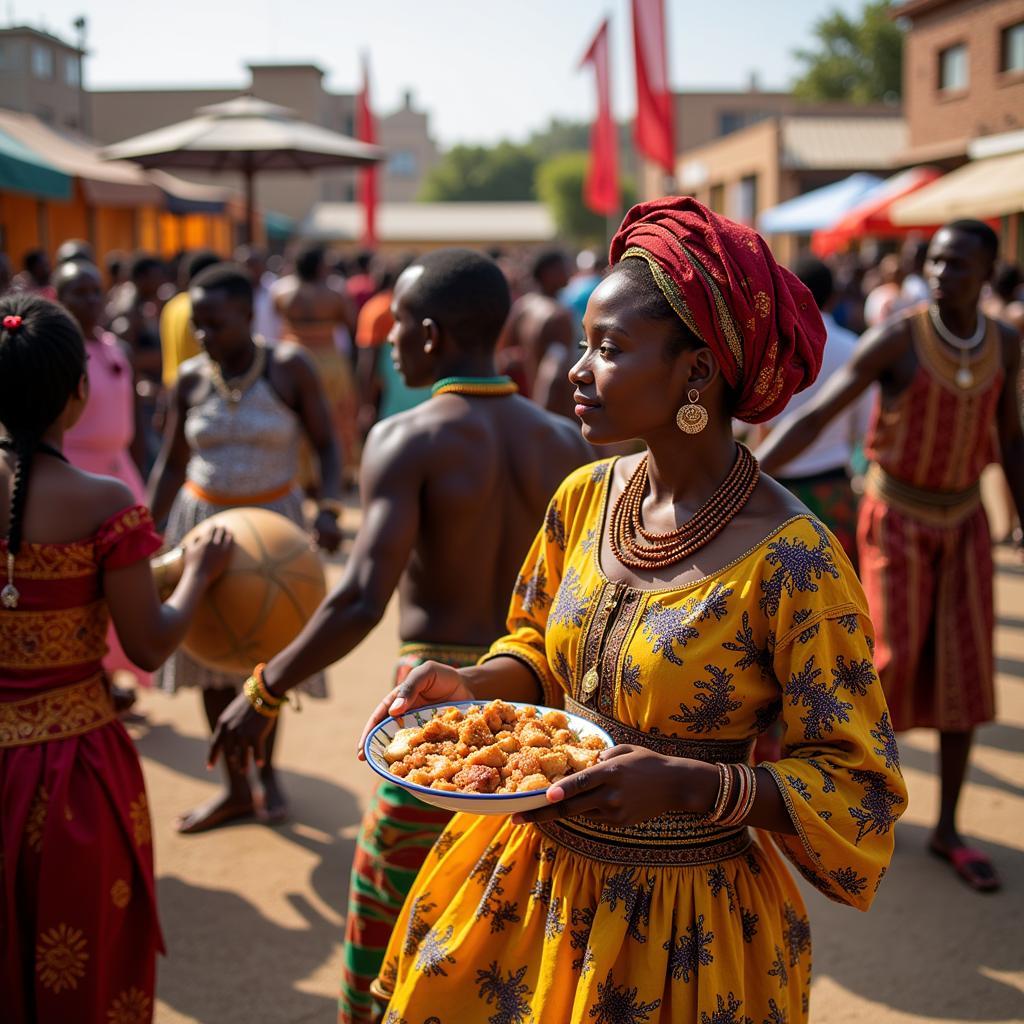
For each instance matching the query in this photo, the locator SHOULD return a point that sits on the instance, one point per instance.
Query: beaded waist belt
(453, 655)
(57, 714)
(217, 498)
(940, 508)
(674, 840)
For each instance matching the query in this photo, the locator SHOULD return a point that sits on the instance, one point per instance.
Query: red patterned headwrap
(721, 278)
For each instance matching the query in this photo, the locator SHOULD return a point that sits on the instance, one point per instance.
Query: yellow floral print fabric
(672, 920)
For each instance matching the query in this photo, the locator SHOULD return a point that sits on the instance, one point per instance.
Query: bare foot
(219, 810)
(275, 804)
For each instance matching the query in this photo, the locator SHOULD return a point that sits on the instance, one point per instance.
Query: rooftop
(824, 143)
(435, 222)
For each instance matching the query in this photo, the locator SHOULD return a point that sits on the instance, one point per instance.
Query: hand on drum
(208, 555)
(240, 730)
(429, 683)
(629, 785)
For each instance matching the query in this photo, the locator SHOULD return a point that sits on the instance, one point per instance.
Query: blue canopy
(814, 211)
(23, 170)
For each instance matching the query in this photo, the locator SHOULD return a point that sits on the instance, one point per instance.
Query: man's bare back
(535, 323)
(306, 306)
(453, 491)
(488, 468)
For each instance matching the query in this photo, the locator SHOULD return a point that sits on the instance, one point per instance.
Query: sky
(483, 70)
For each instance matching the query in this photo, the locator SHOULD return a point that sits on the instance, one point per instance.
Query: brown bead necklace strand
(638, 548)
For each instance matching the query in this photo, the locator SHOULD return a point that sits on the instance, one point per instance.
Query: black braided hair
(41, 362)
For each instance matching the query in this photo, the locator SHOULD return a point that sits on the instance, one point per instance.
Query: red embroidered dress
(78, 922)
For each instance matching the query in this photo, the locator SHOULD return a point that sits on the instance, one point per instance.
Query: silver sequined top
(248, 448)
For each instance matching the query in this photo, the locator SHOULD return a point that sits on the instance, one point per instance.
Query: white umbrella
(246, 135)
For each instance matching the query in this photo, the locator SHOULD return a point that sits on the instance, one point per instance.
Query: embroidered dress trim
(942, 364)
(57, 714)
(711, 751)
(551, 692)
(55, 638)
(657, 847)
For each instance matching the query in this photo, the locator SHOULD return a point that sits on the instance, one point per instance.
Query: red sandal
(964, 860)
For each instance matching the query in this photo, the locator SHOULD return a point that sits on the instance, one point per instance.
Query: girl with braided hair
(78, 922)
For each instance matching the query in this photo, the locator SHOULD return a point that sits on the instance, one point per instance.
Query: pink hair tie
(12, 322)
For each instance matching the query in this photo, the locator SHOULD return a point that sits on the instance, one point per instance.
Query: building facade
(963, 75)
(773, 160)
(117, 114)
(41, 75)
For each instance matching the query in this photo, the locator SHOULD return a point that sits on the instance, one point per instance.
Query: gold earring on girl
(692, 418)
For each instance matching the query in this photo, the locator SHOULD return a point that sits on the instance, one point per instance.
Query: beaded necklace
(638, 548)
(232, 389)
(964, 378)
(482, 387)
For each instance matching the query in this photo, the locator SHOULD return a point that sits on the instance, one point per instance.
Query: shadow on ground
(265, 958)
(927, 964)
(313, 801)
(210, 929)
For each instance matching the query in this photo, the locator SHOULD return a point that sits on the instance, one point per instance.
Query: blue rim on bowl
(414, 787)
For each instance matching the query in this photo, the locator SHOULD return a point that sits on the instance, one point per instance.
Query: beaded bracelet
(251, 689)
(260, 697)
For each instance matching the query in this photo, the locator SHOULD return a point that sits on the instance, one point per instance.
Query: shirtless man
(314, 314)
(949, 406)
(452, 490)
(538, 321)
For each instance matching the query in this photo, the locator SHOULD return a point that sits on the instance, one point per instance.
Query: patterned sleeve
(839, 773)
(532, 597)
(126, 538)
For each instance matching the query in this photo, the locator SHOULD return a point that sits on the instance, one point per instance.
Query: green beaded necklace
(480, 386)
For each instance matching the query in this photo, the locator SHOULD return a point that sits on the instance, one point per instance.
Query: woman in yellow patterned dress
(685, 603)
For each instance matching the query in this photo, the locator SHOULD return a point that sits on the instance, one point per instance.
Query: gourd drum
(273, 583)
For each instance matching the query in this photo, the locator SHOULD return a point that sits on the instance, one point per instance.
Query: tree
(860, 60)
(560, 186)
(482, 174)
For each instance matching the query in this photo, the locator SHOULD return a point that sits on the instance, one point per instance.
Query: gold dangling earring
(692, 418)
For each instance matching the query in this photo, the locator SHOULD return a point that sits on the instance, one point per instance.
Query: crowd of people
(763, 556)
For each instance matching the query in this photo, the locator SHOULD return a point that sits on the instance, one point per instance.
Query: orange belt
(57, 714)
(215, 498)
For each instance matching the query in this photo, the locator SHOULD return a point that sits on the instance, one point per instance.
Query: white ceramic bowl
(475, 803)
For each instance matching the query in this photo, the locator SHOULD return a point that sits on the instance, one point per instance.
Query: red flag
(653, 131)
(366, 131)
(601, 188)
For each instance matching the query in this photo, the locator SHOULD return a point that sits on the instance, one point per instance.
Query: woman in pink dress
(101, 440)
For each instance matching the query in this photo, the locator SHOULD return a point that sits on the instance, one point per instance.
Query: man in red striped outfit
(948, 407)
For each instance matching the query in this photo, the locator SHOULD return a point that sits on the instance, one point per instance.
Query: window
(953, 68)
(730, 121)
(42, 61)
(402, 164)
(716, 199)
(71, 72)
(1012, 48)
(747, 200)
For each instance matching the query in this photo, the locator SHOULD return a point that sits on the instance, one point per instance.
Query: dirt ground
(253, 915)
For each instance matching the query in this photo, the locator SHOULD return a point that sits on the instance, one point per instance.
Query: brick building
(783, 156)
(963, 75)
